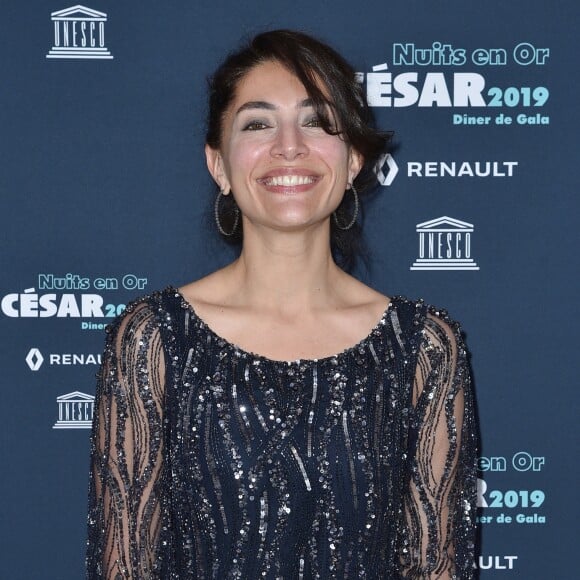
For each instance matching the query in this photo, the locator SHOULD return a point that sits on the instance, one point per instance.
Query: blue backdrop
(105, 197)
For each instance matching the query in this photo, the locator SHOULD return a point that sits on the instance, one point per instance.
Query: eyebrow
(264, 105)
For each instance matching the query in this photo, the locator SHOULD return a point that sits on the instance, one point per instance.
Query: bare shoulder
(362, 298)
(211, 290)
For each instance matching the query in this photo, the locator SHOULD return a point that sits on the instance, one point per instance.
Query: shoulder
(442, 327)
(136, 352)
(445, 333)
(442, 359)
(141, 316)
(215, 288)
(437, 329)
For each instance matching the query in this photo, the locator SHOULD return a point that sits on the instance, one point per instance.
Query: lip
(278, 171)
(288, 180)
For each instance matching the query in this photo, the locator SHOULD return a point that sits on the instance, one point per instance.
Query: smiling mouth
(288, 180)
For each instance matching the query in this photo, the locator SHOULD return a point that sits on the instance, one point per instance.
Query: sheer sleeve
(440, 498)
(124, 517)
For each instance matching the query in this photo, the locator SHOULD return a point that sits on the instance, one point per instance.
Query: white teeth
(290, 180)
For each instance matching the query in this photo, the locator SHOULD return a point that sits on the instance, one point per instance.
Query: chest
(247, 411)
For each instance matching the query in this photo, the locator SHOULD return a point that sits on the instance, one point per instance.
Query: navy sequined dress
(210, 462)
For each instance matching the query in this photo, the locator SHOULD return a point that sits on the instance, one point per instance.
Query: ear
(215, 166)
(355, 163)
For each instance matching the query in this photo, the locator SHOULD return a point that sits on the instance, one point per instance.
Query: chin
(296, 223)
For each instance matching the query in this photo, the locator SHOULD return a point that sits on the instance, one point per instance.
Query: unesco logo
(79, 32)
(75, 411)
(444, 244)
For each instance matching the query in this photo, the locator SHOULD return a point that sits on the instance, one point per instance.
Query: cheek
(241, 159)
(335, 154)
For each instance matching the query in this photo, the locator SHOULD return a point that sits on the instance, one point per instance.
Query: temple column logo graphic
(444, 244)
(79, 32)
(75, 411)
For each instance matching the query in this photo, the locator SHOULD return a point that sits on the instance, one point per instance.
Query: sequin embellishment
(208, 462)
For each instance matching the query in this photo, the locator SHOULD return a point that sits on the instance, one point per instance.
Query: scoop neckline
(252, 355)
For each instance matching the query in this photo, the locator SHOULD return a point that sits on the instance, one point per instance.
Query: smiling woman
(336, 99)
(279, 419)
(285, 169)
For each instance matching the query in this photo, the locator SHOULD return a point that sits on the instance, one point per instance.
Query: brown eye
(314, 122)
(255, 126)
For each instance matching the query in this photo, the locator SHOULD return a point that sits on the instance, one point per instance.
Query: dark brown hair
(323, 72)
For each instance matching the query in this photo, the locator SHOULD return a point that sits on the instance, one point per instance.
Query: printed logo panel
(386, 169)
(444, 244)
(521, 503)
(35, 359)
(75, 411)
(71, 296)
(444, 76)
(79, 33)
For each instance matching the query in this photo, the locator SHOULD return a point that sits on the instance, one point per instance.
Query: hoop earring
(355, 214)
(216, 211)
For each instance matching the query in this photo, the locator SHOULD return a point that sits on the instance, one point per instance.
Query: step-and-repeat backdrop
(105, 197)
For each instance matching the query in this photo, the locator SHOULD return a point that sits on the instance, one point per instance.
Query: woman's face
(285, 171)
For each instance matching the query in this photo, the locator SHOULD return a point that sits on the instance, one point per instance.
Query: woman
(278, 418)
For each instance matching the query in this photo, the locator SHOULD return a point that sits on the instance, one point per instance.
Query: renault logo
(34, 359)
(386, 169)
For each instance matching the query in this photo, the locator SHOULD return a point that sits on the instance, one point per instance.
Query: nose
(289, 143)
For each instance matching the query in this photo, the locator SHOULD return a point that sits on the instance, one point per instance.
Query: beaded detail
(210, 462)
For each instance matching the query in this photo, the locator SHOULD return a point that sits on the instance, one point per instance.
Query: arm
(438, 520)
(124, 516)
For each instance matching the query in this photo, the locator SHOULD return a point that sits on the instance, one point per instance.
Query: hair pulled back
(330, 82)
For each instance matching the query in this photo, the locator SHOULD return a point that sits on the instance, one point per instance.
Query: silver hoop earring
(216, 210)
(354, 216)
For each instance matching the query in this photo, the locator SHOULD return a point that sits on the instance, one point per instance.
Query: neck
(286, 272)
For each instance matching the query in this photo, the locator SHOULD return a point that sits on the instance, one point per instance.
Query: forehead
(269, 80)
